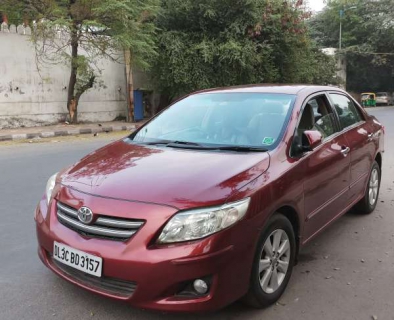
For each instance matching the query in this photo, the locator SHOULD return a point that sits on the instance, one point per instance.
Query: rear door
(359, 135)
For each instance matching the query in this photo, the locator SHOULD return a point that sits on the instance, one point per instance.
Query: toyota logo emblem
(85, 215)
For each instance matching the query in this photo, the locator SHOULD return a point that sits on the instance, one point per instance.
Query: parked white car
(384, 98)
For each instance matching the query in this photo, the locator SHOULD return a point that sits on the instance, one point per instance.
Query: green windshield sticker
(268, 141)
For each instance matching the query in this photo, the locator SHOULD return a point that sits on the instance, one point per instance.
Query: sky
(316, 5)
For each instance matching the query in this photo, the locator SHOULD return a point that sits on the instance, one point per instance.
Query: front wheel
(368, 203)
(273, 263)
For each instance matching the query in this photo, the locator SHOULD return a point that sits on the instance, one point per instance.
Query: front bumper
(158, 273)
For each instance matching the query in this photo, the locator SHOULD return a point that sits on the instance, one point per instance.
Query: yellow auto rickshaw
(368, 99)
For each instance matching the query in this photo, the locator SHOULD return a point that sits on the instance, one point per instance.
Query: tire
(260, 296)
(368, 203)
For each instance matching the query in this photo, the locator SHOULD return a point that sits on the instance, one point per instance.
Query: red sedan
(211, 200)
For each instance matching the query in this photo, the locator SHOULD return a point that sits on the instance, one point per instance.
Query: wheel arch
(290, 213)
(378, 159)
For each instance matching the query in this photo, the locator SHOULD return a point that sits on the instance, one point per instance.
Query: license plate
(77, 259)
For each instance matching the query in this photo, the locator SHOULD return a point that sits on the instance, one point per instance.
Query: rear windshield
(382, 94)
(234, 119)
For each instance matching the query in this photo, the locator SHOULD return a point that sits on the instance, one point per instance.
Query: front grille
(112, 286)
(103, 227)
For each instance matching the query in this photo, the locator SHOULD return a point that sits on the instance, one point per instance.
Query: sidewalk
(63, 129)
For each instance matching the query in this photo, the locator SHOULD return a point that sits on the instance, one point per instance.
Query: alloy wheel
(274, 261)
(373, 187)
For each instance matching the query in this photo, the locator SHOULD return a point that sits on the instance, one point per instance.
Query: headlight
(199, 223)
(50, 185)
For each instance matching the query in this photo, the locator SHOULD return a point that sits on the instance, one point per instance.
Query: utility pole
(341, 14)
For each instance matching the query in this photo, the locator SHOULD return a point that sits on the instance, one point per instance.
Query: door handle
(345, 151)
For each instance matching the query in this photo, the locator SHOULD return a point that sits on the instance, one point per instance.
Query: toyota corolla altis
(211, 200)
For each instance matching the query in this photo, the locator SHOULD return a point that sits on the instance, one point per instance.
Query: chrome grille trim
(95, 230)
(68, 210)
(104, 227)
(118, 223)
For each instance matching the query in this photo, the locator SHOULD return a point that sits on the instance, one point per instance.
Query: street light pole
(340, 35)
(341, 12)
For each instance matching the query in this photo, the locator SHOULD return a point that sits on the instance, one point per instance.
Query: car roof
(271, 88)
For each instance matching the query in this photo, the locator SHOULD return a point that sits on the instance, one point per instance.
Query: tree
(16, 11)
(367, 40)
(211, 43)
(79, 32)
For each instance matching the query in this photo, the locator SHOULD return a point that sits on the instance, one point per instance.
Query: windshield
(231, 119)
(381, 94)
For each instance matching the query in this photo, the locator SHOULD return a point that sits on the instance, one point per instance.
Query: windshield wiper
(169, 143)
(194, 145)
(240, 148)
(181, 144)
(152, 143)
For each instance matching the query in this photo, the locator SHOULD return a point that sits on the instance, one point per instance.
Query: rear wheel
(368, 203)
(273, 263)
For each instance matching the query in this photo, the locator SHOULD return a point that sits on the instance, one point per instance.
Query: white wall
(29, 99)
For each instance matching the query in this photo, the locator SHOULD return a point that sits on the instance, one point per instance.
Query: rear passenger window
(347, 111)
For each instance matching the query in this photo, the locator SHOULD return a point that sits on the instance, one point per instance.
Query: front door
(327, 170)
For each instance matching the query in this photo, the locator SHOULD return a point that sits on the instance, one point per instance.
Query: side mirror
(311, 139)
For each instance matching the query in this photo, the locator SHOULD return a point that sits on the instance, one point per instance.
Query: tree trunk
(72, 110)
(130, 86)
(72, 103)
(4, 18)
(75, 101)
(74, 118)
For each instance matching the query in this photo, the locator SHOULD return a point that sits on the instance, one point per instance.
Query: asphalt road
(330, 282)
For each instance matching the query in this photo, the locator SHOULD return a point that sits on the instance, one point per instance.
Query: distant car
(384, 98)
(211, 200)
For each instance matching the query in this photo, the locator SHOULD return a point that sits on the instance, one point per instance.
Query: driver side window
(316, 115)
(324, 118)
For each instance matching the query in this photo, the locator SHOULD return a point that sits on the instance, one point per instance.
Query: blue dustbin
(138, 105)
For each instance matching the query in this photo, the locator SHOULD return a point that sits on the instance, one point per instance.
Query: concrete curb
(74, 132)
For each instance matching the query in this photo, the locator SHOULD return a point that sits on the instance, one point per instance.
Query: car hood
(182, 178)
